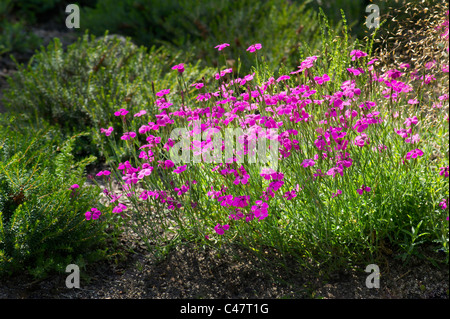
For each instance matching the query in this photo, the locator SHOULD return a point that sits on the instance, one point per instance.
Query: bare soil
(189, 272)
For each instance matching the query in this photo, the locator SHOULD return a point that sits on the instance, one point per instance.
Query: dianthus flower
(180, 169)
(221, 229)
(121, 112)
(119, 208)
(361, 140)
(308, 162)
(411, 121)
(363, 189)
(128, 135)
(107, 131)
(260, 209)
(179, 67)
(94, 213)
(254, 47)
(414, 153)
(444, 171)
(106, 173)
(222, 46)
(339, 192)
(163, 92)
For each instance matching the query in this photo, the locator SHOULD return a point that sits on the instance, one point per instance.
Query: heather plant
(350, 170)
(43, 198)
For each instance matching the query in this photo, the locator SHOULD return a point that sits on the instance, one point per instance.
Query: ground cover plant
(352, 168)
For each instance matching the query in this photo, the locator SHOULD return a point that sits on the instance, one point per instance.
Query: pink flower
(430, 65)
(108, 131)
(335, 170)
(183, 189)
(393, 74)
(362, 189)
(274, 186)
(168, 164)
(244, 179)
(198, 85)
(145, 172)
(444, 171)
(170, 143)
(380, 148)
(226, 200)
(403, 132)
(119, 208)
(321, 79)
(128, 135)
(254, 47)
(94, 213)
(140, 113)
(106, 173)
(260, 209)
(241, 201)
(444, 204)
(222, 46)
(114, 198)
(180, 169)
(121, 112)
(361, 140)
(74, 186)
(238, 215)
(413, 139)
(339, 192)
(356, 71)
(163, 92)
(414, 153)
(283, 78)
(221, 229)
(360, 126)
(306, 64)
(290, 194)
(308, 162)
(357, 54)
(411, 121)
(367, 105)
(179, 67)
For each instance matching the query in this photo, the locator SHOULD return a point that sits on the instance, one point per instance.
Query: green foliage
(42, 222)
(354, 11)
(81, 88)
(280, 26)
(33, 11)
(13, 33)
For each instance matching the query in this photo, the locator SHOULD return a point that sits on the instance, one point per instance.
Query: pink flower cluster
(344, 130)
